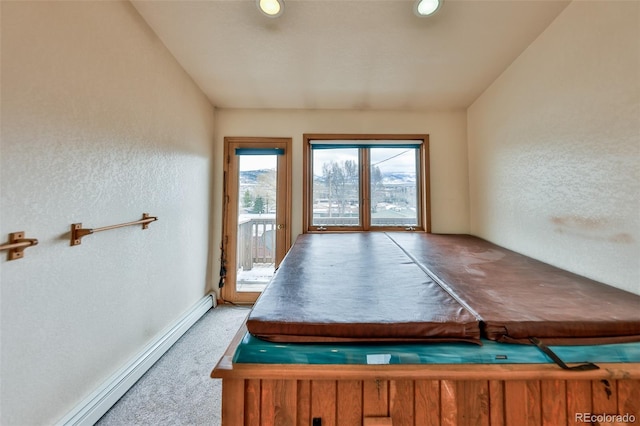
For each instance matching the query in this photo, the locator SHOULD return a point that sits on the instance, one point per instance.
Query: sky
(387, 159)
(257, 162)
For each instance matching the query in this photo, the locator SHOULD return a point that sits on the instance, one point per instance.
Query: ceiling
(346, 54)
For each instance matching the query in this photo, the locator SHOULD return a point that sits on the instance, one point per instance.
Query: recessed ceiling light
(271, 8)
(426, 7)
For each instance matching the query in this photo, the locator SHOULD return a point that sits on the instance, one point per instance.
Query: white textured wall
(554, 145)
(99, 124)
(447, 141)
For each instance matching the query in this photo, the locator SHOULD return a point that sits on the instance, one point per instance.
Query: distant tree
(258, 205)
(341, 180)
(376, 185)
(247, 200)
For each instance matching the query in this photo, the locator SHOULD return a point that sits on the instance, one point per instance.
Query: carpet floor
(178, 390)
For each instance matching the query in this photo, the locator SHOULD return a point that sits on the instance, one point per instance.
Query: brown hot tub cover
(356, 287)
(426, 287)
(518, 297)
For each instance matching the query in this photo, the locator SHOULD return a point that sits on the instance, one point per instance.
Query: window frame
(422, 179)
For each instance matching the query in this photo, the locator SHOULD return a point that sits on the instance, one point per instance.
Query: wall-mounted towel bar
(16, 245)
(77, 231)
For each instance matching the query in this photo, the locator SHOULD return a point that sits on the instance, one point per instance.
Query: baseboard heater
(92, 408)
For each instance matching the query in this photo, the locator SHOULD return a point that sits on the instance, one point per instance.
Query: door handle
(280, 226)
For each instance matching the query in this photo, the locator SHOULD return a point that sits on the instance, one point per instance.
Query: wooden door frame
(229, 292)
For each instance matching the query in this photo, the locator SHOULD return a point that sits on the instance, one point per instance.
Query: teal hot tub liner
(257, 351)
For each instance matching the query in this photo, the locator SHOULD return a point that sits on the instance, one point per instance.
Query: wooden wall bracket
(16, 245)
(77, 231)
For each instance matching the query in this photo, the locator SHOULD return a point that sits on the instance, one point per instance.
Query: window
(366, 182)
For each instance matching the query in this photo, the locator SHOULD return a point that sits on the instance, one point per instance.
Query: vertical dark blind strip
(259, 151)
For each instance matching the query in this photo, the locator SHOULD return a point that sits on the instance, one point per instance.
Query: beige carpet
(177, 390)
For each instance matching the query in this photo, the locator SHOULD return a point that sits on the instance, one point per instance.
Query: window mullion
(365, 189)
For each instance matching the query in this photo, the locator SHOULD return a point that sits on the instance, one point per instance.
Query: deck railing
(354, 221)
(256, 242)
(257, 236)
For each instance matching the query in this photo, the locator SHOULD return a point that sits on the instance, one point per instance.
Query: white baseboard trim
(92, 408)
